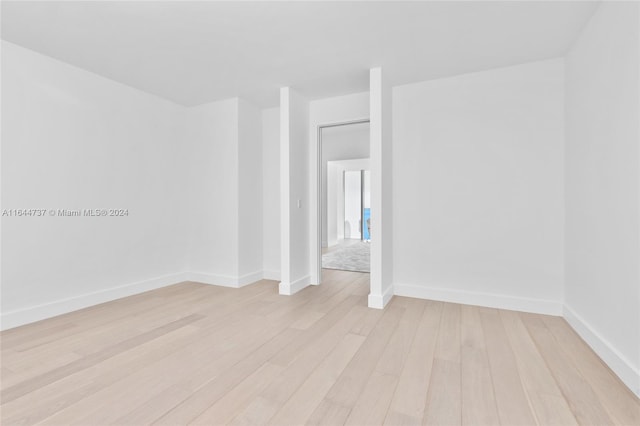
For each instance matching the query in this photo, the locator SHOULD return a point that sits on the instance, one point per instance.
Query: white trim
(271, 275)
(250, 278)
(213, 279)
(629, 375)
(225, 280)
(31, 314)
(288, 289)
(378, 301)
(490, 300)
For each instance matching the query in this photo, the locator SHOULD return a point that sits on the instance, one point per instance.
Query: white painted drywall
(225, 203)
(250, 192)
(338, 109)
(190, 178)
(74, 140)
(382, 181)
(602, 292)
(271, 193)
(213, 188)
(478, 188)
(340, 143)
(294, 191)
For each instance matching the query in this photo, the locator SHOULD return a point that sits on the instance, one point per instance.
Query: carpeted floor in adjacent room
(349, 255)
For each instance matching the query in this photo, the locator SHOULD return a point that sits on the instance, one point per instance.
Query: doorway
(344, 197)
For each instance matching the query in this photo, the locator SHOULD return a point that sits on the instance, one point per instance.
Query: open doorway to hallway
(345, 197)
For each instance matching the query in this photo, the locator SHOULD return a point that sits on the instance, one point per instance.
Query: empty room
(331, 213)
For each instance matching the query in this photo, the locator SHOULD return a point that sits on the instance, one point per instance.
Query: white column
(381, 199)
(294, 192)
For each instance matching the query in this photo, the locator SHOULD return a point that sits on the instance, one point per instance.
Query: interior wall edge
(622, 368)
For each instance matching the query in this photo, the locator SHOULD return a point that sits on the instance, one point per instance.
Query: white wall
(478, 188)
(190, 179)
(250, 192)
(294, 190)
(340, 143)
(74, 140)
(214, 191)
(225, 203)
(271, 193)
(338, 109)
(602, 293)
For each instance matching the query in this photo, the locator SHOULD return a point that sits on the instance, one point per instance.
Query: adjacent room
(328, 213)
(345, 196)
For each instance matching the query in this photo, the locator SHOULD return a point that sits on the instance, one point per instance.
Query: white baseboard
(225, 280)
(629, 375)
(499, 301)
(213, 279)
(379, 301)
(31, 314)
(250, 278)
(271, 275)
(288, 289)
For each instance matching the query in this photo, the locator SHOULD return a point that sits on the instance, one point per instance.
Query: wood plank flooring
(198, 354)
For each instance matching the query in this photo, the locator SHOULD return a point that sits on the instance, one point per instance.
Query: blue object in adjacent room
(367, 215)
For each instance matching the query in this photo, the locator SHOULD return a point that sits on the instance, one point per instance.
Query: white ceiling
(197, 52)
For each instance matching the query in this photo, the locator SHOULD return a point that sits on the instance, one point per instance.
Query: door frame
(317, 267)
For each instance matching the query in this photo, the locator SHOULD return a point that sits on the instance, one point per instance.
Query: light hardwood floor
(193, 353)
